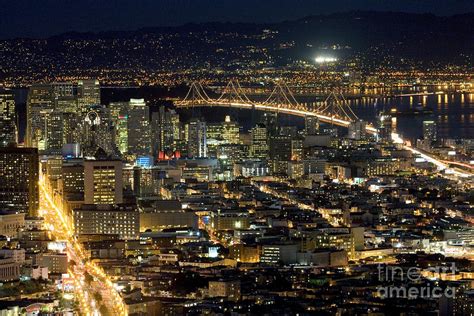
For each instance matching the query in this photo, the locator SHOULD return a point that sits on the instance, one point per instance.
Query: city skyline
(316, 166)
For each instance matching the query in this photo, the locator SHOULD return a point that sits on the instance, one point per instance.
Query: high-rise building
(54, 132)
(8, 128)
(119, 116)
(197, 140)
(430, 132)
(311, 125)
(259, 142)
(40, 103)
(139, 131)
(19, 176)
(88, 93)
(166, 131)
(357, 130)
(103, 182)
(385, 128)
(230, 131)
(97, 131)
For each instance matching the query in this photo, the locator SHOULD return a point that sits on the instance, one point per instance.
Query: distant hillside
(373, 38)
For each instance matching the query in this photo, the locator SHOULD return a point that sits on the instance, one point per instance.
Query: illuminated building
(96, 131)
(11, 223)
(259, 142)
(251, 168)
(9, 270)
(123, 220)
(197, 140)
(8, 129)
(357, 130)
(229, 290)
(139, 137)
(88, 93)
(230, 131)
(166, 130)
(19, 176)
(229, 220)
(56, 263)
(385, 128)
(244, 253)
(39, 105)
(103, 182)
(296, 149)
(276, 253)
(72, 175)
(119, 115)
(161, 217)
(54, 132)
(197, 172)
(311, 125)
(382, 166)
(430, 131)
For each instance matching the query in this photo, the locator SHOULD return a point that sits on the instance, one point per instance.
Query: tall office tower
(139, 131)
(259, 142)
(72, 175)
(297, 151)
(430, 131)
(119, 116)
(65, 99)
(88, 93)
(166, 131)
(103, 183)
(71, 128)
(357, 130)
(8, 128)
(311, 125)
(280, 147)
(40, 104)
(197, 140)
(97, 131)
(385, 128)
(270, 120)
(54, 139)
(63, 89)
(230, 131)
(19, 176)
(213, 138)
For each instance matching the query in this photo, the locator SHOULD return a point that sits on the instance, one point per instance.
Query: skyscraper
(259, 142)
(39, 106)
(119, 116)
(103, 181)
(19, 177)
(311, 125)
(357, 130)
(230, 131)
(430, 132)
(166, 131)
(88, 93)
(139, 132)
(197, 141)
(8, 129)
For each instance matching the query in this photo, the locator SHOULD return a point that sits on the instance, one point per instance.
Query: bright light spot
(325, 59)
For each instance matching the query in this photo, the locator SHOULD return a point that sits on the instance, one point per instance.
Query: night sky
(41, 18)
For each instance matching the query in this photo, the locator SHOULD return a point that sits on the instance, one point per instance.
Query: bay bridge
(334, 110)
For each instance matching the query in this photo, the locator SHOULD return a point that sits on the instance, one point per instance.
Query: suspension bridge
(334, 109)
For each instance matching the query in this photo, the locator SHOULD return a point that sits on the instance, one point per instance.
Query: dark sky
(40, 18)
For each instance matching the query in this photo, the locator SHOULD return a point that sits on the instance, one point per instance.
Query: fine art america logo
(411, 282)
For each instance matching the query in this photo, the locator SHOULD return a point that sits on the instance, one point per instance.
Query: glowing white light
(325, 59)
